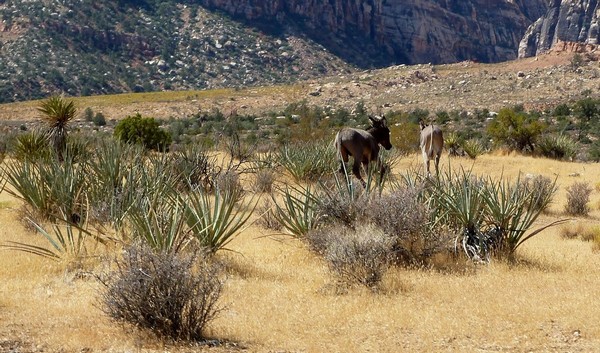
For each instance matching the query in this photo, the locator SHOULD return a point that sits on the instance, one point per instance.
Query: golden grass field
(279, 297)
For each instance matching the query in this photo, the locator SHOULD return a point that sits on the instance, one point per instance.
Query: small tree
(145, 131)
(57, 113)
(515, 129)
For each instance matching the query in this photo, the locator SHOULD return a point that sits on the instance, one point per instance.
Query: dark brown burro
(363, 145)
(432, 143)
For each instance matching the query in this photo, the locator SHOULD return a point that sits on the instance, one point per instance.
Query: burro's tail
(431, 138)
(337, 144)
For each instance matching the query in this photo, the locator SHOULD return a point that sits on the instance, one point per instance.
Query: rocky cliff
(401, 31)
(564, 21)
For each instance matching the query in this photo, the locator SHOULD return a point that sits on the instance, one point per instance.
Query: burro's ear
(375, 120)
(422, 124)
(383, 121)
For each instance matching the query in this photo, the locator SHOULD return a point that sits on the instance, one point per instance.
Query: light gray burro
(363, 145)
(432, 143)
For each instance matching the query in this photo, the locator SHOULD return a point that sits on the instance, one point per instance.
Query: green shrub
(99, 119)
(578, 197)
(515, 129)
(172, 294)
(145, 131)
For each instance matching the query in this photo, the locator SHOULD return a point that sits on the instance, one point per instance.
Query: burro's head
(380, 131)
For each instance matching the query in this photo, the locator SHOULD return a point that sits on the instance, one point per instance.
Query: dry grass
(280, 297)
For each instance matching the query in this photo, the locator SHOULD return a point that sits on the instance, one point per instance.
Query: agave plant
(57, 113)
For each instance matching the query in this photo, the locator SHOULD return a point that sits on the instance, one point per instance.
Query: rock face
(402, 31)
(564, 21)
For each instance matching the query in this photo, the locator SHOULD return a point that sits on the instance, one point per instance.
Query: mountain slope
(88, 47)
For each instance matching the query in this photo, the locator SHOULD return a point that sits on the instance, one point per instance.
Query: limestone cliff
(565, 21)
(401, 31)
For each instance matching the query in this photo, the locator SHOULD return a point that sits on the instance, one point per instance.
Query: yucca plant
(67, 241)
(113, 181)
(297, 212)
(511, 209)
(452, 143)
(557, 146)
(214, 220)
(49, 188)
(160, 222)
(57, 113)
(307, 162)
(473, 148)
(31, 146)
(454, 199)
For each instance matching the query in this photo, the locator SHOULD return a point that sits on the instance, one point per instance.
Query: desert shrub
(266, 218)
(357, 256)
(263, 180)
(172, 294)
(557, 147)
(229, 181)
(473, 148)
(542, 191)
(578, 197)
(342, 201)
(403, 216)
(145, 131)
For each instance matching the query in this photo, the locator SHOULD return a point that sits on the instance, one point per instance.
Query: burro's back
(362, 145)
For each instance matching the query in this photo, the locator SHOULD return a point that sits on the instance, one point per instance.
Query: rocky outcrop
(565, 21)
(402, 31)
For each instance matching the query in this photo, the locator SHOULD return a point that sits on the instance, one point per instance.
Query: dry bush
(542, 188)
(173, 295)
(230, 181)
(267, 219)
(356, 256)
(578, 197)
(404, 217)
(264, 179)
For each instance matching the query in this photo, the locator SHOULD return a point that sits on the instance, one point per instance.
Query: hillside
(89, 48)
(537, 83)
